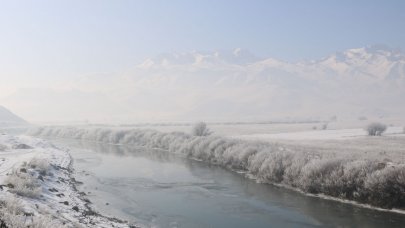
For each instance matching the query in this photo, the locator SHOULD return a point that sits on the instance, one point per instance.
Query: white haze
(226, 86)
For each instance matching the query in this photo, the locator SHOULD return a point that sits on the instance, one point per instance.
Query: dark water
(159, 189)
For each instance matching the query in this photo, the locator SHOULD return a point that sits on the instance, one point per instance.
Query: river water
(159, 189)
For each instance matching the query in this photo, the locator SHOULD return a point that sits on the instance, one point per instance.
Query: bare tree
(376, 129)
(200, 129)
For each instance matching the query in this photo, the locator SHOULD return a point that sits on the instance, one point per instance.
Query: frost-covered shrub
(11, 205)
(353, 179)
(24, 184)
(273, 168)
(12, 214)
(200, 129)
(376, 129)
(41, 165)
(320, 176)
(367, 181)
(45, 222)
(362, 118)
(387, 187)
(3, 147)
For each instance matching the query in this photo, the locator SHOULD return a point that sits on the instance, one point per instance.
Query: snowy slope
(39, 190)
(9, 118)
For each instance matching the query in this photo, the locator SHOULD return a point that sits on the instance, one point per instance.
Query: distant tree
(376, 129)
(333, 118)
(324, 126)
(200, 129)
(362, 118)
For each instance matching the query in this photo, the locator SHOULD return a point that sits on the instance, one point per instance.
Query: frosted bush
(24, 184)
(45, 222)
(354, 178)
(319, 175)
(200, 129)
(41, 165)
(3, 147)
(376, 129)
(12, 214)
(387, 187)
(11, 205)
(273, 168)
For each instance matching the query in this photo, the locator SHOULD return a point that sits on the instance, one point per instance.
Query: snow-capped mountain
(237, 56)
(236, 85)
(371, 63)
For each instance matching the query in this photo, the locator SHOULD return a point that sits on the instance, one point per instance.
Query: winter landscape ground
(198, 114)
(39, 190)
(350, 169)
(339, 163)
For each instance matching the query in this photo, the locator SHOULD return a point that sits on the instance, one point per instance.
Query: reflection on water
(160, 189)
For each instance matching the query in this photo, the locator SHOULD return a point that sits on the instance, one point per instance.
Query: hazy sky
(45, 42)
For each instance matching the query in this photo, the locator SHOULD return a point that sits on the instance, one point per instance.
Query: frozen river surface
(159, 189)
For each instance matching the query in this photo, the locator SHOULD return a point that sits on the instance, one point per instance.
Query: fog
(136, 62)
(226, 86)
(294, 97)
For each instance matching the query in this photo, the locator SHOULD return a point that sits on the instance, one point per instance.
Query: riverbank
(38, 188)
(375, 179)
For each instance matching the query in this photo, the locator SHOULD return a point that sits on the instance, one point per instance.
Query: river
(160, 189)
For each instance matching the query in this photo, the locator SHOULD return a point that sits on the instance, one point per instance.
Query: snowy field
(346, 138)
(249, 128)
(340, 142)
(341, 163)
(37, 189)
(340, 134)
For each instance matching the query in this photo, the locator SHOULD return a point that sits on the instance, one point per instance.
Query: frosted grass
(356, 177)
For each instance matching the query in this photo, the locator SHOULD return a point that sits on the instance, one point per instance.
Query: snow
(58, 198)
(338, 134)
(8, 118)
(354, 169)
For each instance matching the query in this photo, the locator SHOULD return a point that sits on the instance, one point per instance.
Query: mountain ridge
(232, 85)
(371, 63)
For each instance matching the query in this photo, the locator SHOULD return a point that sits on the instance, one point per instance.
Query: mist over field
(202, 114)
(227, 86)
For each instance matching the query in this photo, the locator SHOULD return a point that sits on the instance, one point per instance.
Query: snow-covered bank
(373, 180)
(38, 190)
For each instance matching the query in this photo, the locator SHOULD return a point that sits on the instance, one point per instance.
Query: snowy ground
(360, 168)
(37, 188)
(337, 134)
(341, 143)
